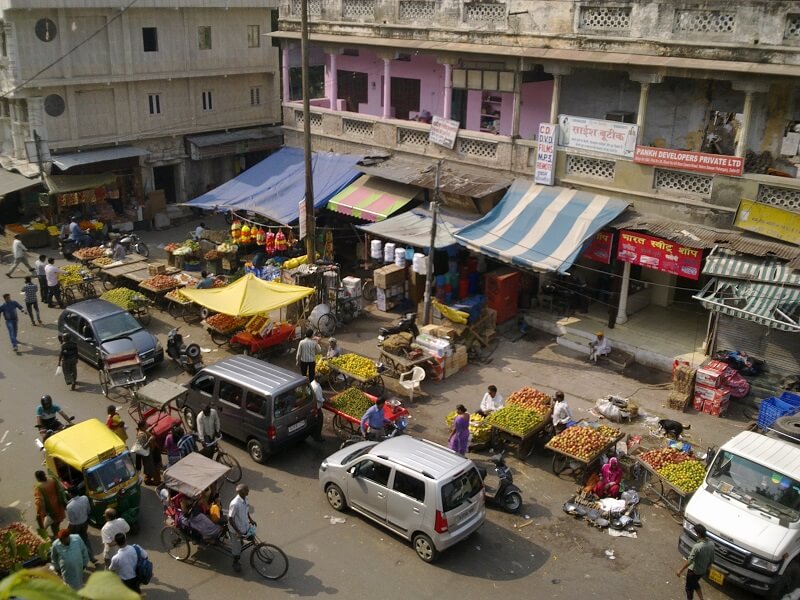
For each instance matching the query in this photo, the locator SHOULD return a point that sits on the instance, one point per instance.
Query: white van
(750, 505)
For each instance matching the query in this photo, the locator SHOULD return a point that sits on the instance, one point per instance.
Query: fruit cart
(158, 286)
(656, 485)
(87, 255)
(180, 307)
(79, 289)
(579, 464)
(260, 342)
(110, 274)
(343, 374)
(520, 442)
(221, 327)
(21, 548)
(397, 364)
(132, 301)
(353, 400)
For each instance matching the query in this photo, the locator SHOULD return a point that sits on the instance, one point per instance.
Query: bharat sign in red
(661, 255)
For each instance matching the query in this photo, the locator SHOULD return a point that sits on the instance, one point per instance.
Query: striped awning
(763, 290)
(372, 198)
(542, 228)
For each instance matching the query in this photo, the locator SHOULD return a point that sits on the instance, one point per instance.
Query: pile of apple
(532, 399)
(581, 442)
(662, 457)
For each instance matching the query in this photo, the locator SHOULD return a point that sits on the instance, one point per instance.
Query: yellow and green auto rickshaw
(92, 458)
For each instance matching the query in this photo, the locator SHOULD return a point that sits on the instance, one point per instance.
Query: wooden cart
(220, 337)
(396, 364)
(521, 444)
(347, 426)
(110, 274)
(80, 291)
(563, 461)
(340, 380)
(659, 490)
(181, 309)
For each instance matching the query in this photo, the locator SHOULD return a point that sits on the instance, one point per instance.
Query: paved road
(547, 555)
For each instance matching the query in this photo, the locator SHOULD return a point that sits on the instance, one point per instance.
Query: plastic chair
(411, 380)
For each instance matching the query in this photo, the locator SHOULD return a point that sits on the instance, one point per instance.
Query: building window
(254, 36)
(208, 101)
(255, 96)
(150, 39)
(5, 110)
(204, 37)
(3, 43)
(154, 101)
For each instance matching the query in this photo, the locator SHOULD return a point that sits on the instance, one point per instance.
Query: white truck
(750, 506)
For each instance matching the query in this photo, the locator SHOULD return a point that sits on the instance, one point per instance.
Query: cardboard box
(387, 276)
(156, 269)
(716, 407)
(711, 394)
(697, 403)
(710, 376)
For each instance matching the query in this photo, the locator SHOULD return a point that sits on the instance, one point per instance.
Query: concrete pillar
(622, 311)
(387, 88)
(644, 92)
(448, 91)
(747, 117)
(515, 110)
(555, 99)
(287, 94)
(333, 92)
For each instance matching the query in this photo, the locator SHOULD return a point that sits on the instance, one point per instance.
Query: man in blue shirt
(9, 309)
(206, 282)
(77, 235)
(375, 420)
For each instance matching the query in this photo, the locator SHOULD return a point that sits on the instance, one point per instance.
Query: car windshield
(116, 325)
(461, 489)
(110, 473)
(758, 486)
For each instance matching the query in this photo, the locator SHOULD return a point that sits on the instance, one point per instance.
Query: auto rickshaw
(92, 458)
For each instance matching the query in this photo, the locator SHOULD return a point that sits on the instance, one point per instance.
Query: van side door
(405, 506)
(230, 397)
(368, 488)
(254, 416)
(201, 392)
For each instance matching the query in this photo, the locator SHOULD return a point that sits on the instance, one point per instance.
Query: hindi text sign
(443, 132)
(599, 247)
(661, 255)
(598, 135)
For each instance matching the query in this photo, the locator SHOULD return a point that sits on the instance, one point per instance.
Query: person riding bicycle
(47, 416)
(208, 430)
(373, 422)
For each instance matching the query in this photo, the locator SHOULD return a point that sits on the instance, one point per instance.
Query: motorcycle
(133, 242)
(407, 324)
(502, 493)
(46, 433)
(67, 247)
(188, 357)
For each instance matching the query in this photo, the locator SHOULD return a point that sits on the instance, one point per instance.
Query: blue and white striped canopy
(540, 227)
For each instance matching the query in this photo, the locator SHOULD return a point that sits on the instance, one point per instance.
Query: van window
(255, 403)
(460, 489)
(204, 384)
(288, 402)
(230, 393)
(373, 471)
(409, 486)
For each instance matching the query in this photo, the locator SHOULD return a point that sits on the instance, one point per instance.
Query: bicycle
(215, 452)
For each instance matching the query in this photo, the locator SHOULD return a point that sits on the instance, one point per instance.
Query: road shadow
(297, 581)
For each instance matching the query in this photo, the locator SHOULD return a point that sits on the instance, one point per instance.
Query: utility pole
(426, 310)
(37, 140)
(311, 232)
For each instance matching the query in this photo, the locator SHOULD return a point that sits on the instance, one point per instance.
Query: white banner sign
(545, 170)
(301, 210)
(443, 132)
(597, 135)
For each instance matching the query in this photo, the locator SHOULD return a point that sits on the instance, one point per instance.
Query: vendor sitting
(491, 401)
(610, 478)
(599, 347)
(334, 349)
(119, 251)
(206, 281)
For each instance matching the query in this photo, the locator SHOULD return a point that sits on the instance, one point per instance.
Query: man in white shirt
(599, 347)
(208, 428)
(79, 509)
(51, 273)
(20, 253)
(199, 231)
(561, 413)
(239, 522)
(316, 389)
(39, 267)
(491, 402)
(112, 527)
(124, 563)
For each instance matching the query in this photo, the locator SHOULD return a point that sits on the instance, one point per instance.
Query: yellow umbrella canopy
(248, 296)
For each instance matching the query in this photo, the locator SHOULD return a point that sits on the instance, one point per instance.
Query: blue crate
(773, 409)
(790, 398)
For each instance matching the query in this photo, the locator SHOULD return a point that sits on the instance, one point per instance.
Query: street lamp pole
(309, 197)
(426, 310)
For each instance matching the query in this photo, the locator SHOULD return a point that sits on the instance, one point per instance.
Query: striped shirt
(307, 350)
(30, 290)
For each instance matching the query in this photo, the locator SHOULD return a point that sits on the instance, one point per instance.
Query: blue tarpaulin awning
(274, 187)
(538, 227)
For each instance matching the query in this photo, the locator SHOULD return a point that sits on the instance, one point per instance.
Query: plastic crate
(790, 398)
(772, 409)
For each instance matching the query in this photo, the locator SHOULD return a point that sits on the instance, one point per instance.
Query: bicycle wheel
(326, 324)
(175, 543)
(368, 292)
(269, 561)
(374, 386)
(176, 310)
(220, 339)
(104, 381)
(109, 283)
(235, 473)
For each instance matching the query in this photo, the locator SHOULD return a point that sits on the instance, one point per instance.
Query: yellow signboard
(768, 220)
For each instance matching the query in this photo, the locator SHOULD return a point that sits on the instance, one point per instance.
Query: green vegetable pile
(352, 402)
(125, 298)
(515, 419)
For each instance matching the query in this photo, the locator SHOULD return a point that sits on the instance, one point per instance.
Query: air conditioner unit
(622, 116)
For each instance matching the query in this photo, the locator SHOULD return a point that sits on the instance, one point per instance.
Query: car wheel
(423, 546)
(788, 583)
(335, 497)
(189, 418)
(256, 451)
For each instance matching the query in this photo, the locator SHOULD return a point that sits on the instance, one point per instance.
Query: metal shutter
(780, 349)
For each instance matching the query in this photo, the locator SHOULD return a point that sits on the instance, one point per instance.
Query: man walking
(51, 273)
(239, 522)
(699, 560)
(48, 499)
(316, 428)
(124, 563)
(39, 266)
(108, 533)
(69, 557)
(20, 255)
(9, 310)
(68, 360)
(306, 357)
(78, 512)
(31, 304)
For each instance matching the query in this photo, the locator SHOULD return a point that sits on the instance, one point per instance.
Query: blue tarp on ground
(274, 187)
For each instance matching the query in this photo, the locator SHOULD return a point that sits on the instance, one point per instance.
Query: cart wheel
(269, 561)
(338, 382)
(143, 315)
(104, 381)
(560, 463)
(526, 448)
(189, 418)
(368, 292)
(344, 429)
(205, 313)
(375, 386)
(109, 283)
(175, 543)
(327, 324)
(69, 296)
(175, 310)
(218, 338)
(235, 473)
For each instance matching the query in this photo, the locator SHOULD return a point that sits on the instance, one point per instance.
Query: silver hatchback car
(424, 492)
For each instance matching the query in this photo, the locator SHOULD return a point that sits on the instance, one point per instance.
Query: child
(116, 424)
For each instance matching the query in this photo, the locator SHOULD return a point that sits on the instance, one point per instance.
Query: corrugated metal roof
(11, 182)
(457, 180)
(227, 137)
(88, 157)
(696, 236)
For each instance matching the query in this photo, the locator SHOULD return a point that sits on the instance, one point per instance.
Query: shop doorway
(458, 107)
(405, 96)
(164, 179)
(352, 88)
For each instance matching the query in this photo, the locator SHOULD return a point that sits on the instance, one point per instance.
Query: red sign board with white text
(715, 164)
(599, 247)
(661, 255)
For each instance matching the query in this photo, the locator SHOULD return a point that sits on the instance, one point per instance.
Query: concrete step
(573, 342)
(618, 357)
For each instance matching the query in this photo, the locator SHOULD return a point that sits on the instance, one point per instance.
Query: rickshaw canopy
(193, 474)
(159, 394)
(83, 444)
(248, 296)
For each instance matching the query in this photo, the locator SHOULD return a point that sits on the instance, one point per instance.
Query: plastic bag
(609, 410)
(59, 370)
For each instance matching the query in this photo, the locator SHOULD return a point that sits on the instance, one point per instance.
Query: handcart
(140, 309)
(397, 364)
(521, 443)
(180, 307)
(347, 426)
(80, 291)
(222, 336)
(563, 461)
(262, 345)
(658, 489)
(121, 369)
(340, 380)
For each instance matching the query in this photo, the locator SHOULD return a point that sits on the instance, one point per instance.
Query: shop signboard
(714, 164)
(661, 255)
(443, 132)
(545, 171)
(597, 135)
(599, 247)
(770, 221)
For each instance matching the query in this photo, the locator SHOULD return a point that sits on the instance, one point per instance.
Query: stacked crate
(711, 395)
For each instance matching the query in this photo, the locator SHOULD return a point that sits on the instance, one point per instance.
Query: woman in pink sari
(459, 431)
(610, 478)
